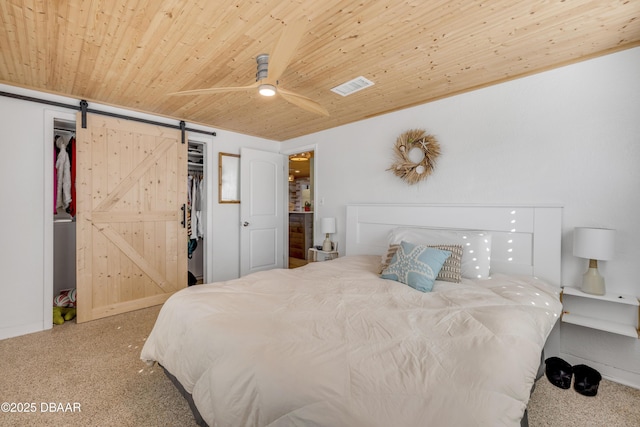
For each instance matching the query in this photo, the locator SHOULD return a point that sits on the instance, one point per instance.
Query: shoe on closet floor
(586, 380)
(558, 372)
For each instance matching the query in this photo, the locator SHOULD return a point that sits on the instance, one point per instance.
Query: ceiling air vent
(352, 86)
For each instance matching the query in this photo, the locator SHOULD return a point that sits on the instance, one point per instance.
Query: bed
(334, 344)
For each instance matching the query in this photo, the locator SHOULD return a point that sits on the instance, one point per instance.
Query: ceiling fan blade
(214, 90)
(303, 102)
(286, 48)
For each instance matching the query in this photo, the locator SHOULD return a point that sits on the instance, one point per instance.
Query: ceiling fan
(270, 68)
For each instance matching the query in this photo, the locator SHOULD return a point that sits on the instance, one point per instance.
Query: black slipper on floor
(558, 372)
(587, 380)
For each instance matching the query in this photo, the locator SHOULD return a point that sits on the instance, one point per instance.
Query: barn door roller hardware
(84, 109)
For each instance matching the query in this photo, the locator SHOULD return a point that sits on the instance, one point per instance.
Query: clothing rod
(104, 113)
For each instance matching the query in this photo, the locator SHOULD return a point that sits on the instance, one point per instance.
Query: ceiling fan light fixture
(267, 89)
(300, 157)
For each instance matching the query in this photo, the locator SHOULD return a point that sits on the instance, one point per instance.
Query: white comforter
(331, 344)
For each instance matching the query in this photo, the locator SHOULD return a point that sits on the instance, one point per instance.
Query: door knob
(245, 224)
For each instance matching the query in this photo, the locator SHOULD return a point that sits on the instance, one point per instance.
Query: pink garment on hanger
(55, 177)
(72, 204)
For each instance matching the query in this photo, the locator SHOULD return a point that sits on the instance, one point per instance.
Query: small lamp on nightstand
(594, 244)
(327, 226)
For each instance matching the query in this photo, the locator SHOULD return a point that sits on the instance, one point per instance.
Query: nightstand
(320, 255)
(612, 312)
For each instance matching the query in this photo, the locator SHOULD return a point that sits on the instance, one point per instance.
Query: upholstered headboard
(525, 239)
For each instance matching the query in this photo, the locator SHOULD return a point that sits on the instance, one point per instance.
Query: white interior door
(261, 210)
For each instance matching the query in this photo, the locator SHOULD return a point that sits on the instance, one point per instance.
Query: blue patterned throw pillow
(416, 266)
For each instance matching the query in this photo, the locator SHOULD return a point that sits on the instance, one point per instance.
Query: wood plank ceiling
(134, 53)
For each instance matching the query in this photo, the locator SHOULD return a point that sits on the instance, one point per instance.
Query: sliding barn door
(131, 244)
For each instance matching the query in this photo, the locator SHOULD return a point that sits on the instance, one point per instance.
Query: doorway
(301, 206)
(64, 218)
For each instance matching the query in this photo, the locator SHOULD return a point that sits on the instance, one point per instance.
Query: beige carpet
(95, 364)
(95, 367)
(615, 405)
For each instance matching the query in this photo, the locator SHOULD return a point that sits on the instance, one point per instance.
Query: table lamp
(327, 226)
(594, 244)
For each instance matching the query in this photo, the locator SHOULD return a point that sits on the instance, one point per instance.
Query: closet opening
(301, 207)
(196, 212)
(64, 219)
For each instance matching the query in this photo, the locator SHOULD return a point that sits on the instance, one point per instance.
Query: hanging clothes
(196, 215)
(189, 204)
(71, 209)
(194, 201)
(199, 207)
(195, 225)
(63, 169)
(55, 176)
(191, 243)
(195, 188)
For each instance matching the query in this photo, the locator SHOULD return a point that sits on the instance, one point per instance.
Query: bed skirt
(188, 398)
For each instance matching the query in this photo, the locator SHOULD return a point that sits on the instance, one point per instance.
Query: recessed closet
(196, 196)
(63, 205)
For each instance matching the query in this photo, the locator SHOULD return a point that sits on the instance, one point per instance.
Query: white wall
(568, 137)
(21, 216)
(26, 213)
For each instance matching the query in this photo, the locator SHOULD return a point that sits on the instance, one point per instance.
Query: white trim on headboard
(526, 239)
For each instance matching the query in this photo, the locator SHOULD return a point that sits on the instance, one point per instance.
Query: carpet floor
(615, 405)
(90, 374)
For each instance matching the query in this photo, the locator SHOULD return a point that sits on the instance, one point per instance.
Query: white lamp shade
(594, 243)
(328, 225)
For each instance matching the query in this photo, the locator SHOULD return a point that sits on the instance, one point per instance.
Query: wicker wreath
(408, 170)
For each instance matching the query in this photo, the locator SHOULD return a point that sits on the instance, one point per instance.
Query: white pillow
(476, 245)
